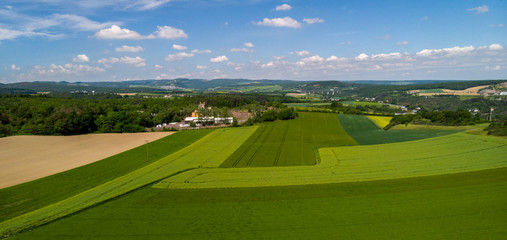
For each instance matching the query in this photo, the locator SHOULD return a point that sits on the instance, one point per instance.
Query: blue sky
(116, 40)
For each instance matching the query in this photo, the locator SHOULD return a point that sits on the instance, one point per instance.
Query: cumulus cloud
(402, 43)
(219, 59)
(283, 7)
(279, 22)
(454, 51)
(479, 9)
(495, 47)
(313, 20)
(200, 51)
(386, 56)
(362, 57)
(70, 69)
(248, 45)
(178, 56)
(179, 47)
(334, 58)
(201, 67)
(15, 68)
(301, 53)
(169, 32)
(135, 61)
(81, 58)
(125, 48)
(158, 67)
(116, 32)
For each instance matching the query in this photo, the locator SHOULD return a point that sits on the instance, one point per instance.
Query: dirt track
(26, 158)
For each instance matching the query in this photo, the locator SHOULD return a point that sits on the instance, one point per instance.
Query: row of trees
(446, 118)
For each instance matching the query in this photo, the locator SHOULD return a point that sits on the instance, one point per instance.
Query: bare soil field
(26, 158)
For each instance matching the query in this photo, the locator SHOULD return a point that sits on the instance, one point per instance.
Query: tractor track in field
(279, 152)
(245, 152)
(257, 149)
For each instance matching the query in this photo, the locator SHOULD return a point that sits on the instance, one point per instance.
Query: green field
(366, 132)
(208, 151)
(458, 206)
(23, 198)
(448, 154)
(431, 91)
(446, 185)
(290, 143)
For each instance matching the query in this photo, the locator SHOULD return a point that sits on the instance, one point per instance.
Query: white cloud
(219, 59)
(279, 22)
(479, 9)
(125, 48)
(179, 47)
(362, 57)
(70, 69)
(201, 67)
(136, 61)
(248, 45)
(495, 46)
(334, 59)
(81, 58)
(158, 67)
(283, 7)
(79, 22)
(495, 68)
(147, 4)
(169, 32)
(301, 53)
(178, 56)
(386, 56)
(15, 68)
(313, 20)
(115, 32)
(200, 51)
(454, 51)
(314, 58)
(8, 34)
(241, 50)
(402, 43)
(278, 57)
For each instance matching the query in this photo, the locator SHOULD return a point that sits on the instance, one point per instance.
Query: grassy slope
(290, 143)
(365, 132)
(208, 151)
(453, 153)
(458, 206)
(23, 198)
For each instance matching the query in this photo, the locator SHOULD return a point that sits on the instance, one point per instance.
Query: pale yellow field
(474, 91)
(381, 121)
(26, 158)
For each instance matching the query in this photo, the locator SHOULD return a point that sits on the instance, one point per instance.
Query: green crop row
(453, 153)
(290, 143)
(209, 151)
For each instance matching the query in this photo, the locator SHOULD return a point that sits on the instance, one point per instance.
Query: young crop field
(365, 132)
(208, 151)
(290, 143)
(458, 206)
(453, 153)
(23, 198)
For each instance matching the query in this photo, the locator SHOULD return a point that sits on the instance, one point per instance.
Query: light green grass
(27, 197)
(290, 143)
(431, 91)
(365, 132)
(454, 153)
(209, 151)
(458, 206)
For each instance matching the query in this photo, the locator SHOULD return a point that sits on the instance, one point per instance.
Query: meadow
(413, 184)
(290, 143)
